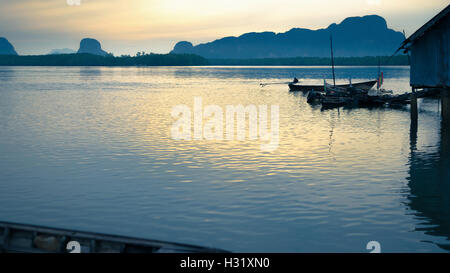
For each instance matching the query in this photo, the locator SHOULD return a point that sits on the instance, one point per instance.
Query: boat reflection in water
(429, 184)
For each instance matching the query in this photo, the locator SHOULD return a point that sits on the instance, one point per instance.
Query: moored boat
(366, 86)
(335, 96)
(335, 101)
(313, 96)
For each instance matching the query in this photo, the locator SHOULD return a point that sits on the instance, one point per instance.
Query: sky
(129, 26)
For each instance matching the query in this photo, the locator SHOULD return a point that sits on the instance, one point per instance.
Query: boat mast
(379, 73)
(332, 60)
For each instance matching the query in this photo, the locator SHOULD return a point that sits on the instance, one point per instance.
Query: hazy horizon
(126, 27)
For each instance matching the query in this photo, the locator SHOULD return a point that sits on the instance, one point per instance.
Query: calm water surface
(90, 148)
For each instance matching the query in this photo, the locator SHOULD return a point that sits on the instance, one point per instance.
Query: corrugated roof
(421, 31)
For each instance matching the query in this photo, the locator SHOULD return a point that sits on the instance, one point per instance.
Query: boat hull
(366, 86)
(19, 238)
(335, 101)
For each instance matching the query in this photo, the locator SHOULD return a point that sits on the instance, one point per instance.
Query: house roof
(422, 30)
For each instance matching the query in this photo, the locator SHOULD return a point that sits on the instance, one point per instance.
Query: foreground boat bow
(35, 239)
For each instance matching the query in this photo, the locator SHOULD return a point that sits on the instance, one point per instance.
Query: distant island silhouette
(91, 53)
(91, 46)
(6, 48)
(357, 41)
(353, 37)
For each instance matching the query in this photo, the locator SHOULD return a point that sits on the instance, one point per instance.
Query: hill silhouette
(6, 48)
(91, 46)
(353, 37)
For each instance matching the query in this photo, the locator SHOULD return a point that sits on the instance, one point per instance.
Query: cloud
(142, 21)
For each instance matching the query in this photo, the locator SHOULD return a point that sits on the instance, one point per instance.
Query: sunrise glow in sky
(128, 26)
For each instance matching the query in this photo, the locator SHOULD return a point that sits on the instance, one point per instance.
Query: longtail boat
(296, 86)
(366, 86)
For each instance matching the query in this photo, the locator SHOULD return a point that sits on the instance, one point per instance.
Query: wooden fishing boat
(335, 96)
(313, 96)
(36, 239)
(335, 101)
(366, 86)
(297, 86)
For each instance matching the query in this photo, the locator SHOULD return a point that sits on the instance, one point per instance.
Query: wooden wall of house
(430, 57)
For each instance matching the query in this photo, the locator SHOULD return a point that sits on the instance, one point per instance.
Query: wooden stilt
(445, 106)
(414, 111)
